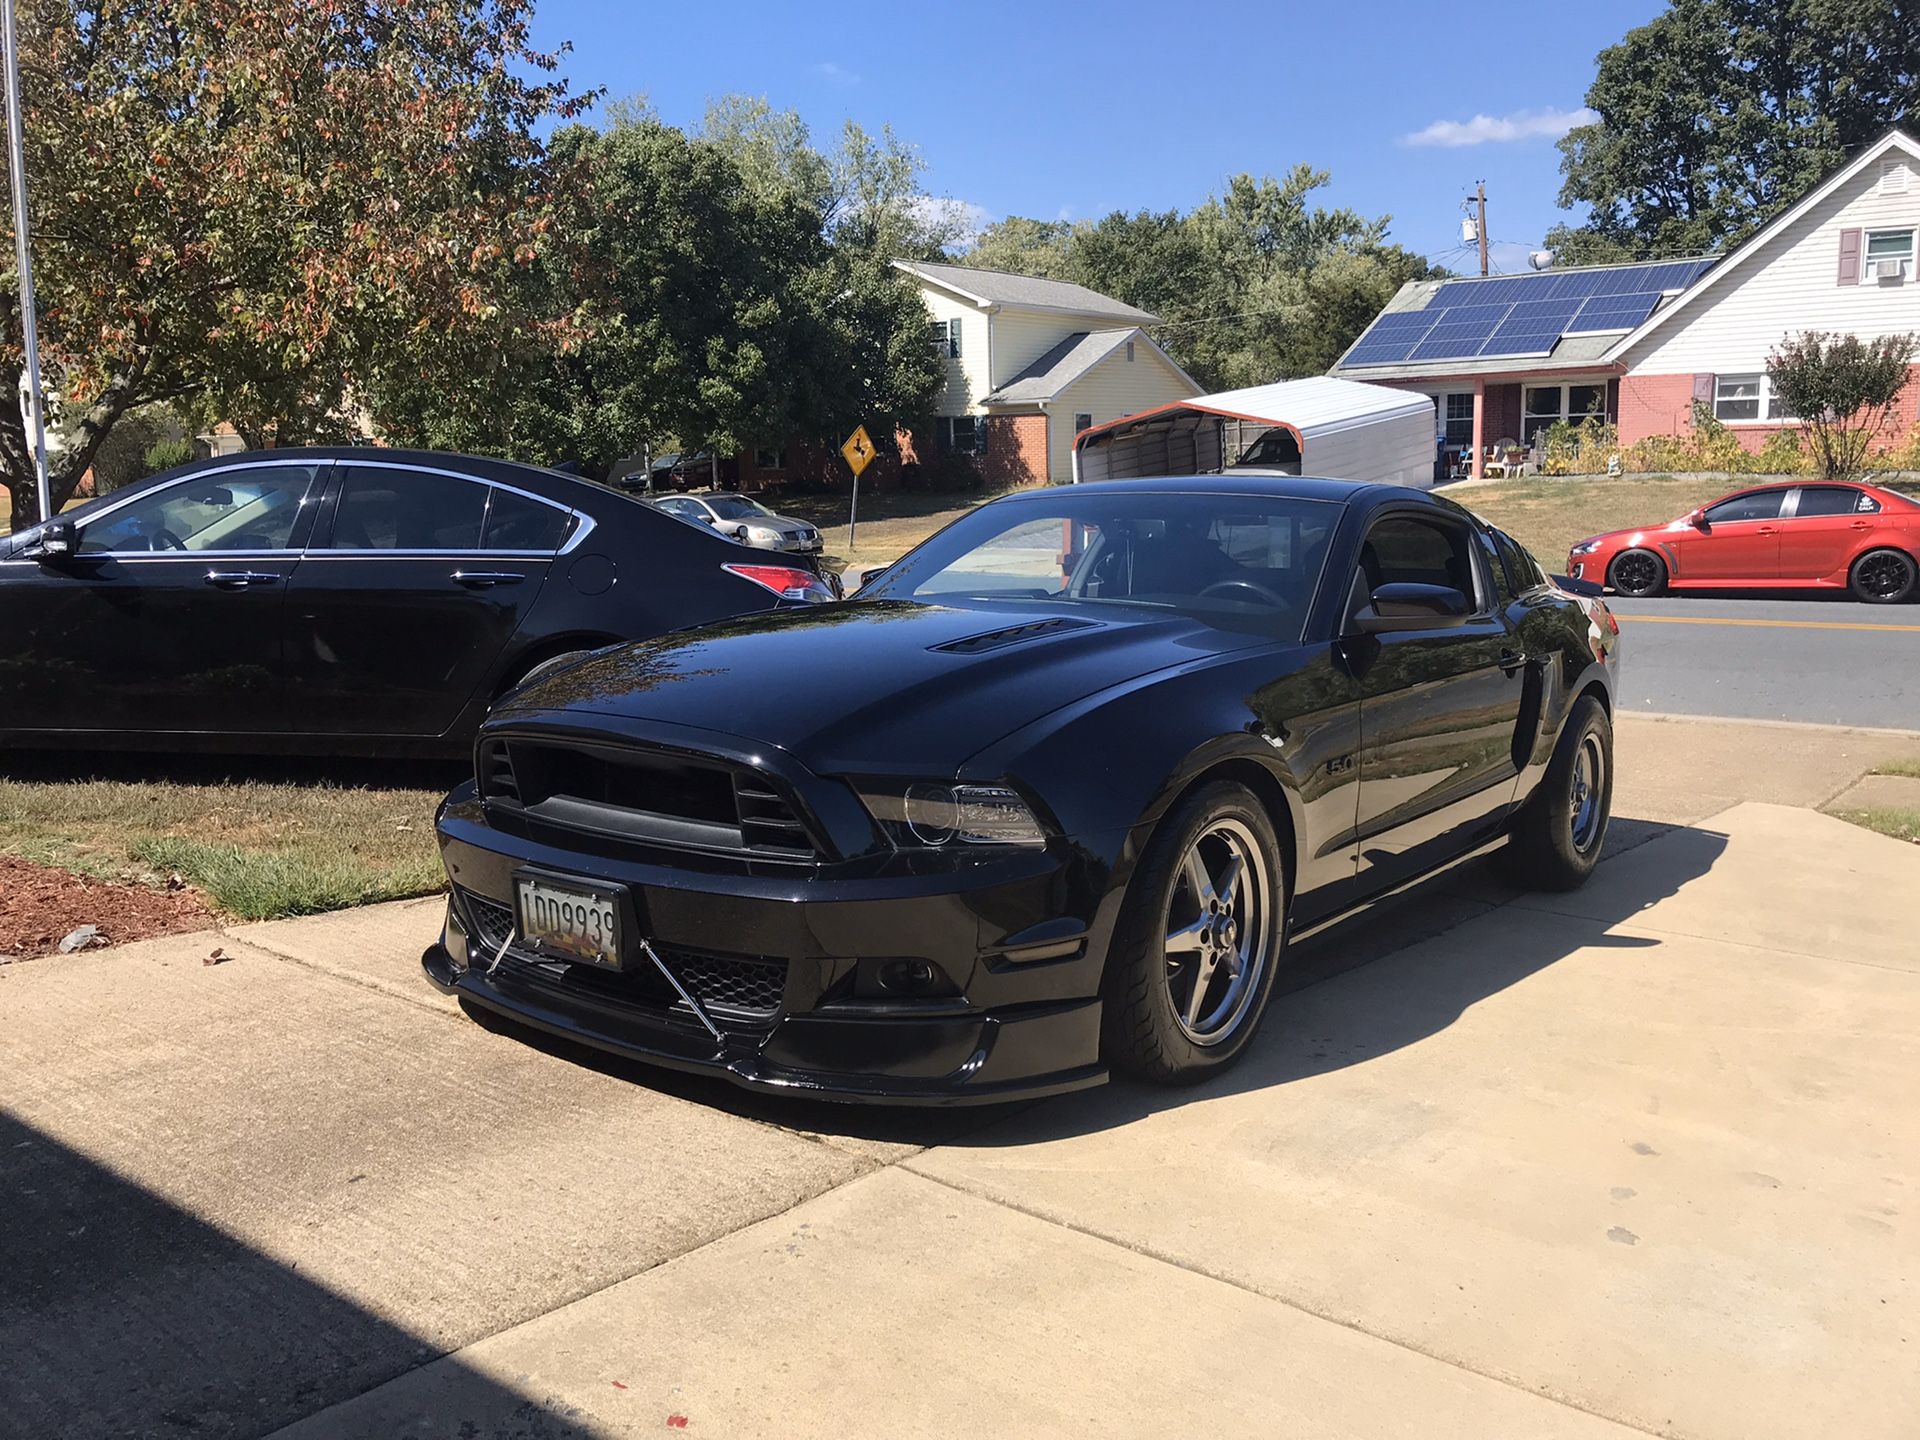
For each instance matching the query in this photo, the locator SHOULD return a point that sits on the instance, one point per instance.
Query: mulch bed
(40, 906)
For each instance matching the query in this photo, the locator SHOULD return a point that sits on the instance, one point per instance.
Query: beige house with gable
(1030, 362)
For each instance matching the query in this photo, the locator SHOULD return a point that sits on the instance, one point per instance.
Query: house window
(1549, 404)
(1082, 421)
(962, 434)
(1458, 416)
(1129, 352)
(937, 336)
(1738, 398)
(769, 458)
(1889, 254)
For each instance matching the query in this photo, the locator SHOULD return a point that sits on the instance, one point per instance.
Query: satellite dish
(1541, 259)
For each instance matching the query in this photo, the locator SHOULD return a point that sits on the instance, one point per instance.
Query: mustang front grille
(752, 987)
(641, 795)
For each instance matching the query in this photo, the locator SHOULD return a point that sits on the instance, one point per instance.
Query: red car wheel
(1637, 574)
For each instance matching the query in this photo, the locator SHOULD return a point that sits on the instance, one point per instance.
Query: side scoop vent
(1012, 635)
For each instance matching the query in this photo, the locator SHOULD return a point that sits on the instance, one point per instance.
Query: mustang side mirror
(58, 541)
(866, 577)
(1406, 606)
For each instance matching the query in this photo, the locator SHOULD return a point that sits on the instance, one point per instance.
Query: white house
(1637, 345)
(1030, 363)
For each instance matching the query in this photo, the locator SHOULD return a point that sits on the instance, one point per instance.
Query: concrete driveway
(1639, 1159)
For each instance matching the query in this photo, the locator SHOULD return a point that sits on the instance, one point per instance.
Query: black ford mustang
(1050, 795)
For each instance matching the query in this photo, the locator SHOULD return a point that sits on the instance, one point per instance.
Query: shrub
(1843, 389)
(165, 454)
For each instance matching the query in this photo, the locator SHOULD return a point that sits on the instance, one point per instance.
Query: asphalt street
(1825, 659)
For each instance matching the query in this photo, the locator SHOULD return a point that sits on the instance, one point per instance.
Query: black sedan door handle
(1511, 660)
(486, 579)
(240, 579)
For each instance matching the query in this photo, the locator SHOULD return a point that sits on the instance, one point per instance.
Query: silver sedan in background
(742, 519)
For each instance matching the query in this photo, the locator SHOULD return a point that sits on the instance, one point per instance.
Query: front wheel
(1556, 837)
(1882, 577)
(1637, 574)
(1198, 941)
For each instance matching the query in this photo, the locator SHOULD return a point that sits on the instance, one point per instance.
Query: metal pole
(35, 410)
(853, 513)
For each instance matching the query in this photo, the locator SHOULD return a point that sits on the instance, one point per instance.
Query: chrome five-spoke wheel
(1218, 926)
(1584, 811)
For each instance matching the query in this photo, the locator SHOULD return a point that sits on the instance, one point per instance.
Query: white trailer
(1336, 429)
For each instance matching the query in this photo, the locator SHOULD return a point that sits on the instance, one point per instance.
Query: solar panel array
(1520, 314)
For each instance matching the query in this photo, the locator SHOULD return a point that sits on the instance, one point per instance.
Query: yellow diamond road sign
(858, 449)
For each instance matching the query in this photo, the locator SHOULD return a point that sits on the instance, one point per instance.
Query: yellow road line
(1765, 624)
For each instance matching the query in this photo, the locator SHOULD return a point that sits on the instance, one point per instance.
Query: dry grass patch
(891, 522)
(283, 841)
(1899, 822)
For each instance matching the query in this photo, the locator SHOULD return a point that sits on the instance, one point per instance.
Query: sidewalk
(1630, 1160)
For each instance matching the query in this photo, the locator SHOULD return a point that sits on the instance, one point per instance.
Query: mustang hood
(875, 686)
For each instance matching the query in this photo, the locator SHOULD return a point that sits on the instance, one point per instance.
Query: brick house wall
(1663, 405)
(1016, 450)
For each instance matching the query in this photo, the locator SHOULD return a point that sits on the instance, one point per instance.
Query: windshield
(735, 507)
(1238, 561)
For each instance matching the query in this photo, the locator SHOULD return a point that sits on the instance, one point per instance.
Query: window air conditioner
(1886, 269)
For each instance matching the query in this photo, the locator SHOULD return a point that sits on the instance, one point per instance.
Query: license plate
(575, 922)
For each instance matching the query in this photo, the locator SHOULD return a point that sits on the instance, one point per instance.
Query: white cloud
(943, 211)
(1546, 124)
(838, 74)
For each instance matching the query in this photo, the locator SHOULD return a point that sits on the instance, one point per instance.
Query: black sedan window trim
(317, 484)
(583, 523)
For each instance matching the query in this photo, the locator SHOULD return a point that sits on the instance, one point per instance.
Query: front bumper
(1017, 945)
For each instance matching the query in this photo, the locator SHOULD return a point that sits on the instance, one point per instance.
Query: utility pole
(35, 414)
(1479, 198)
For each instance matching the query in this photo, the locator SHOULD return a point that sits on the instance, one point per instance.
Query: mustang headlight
(1585, 547)
(934, 813)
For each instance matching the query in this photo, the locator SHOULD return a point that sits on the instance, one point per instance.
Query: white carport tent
(1346, 430)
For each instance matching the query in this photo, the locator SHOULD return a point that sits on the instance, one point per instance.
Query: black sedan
(344, 599)
(1051, 795)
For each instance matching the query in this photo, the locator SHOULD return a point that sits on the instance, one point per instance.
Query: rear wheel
(1883, 577)
(1198, 941)
(1557, 836)
(1637, 574)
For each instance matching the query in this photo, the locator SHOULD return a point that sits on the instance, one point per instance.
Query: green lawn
(272, 839)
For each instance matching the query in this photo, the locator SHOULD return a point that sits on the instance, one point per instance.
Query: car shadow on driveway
(1383, 994)
(123, 1314)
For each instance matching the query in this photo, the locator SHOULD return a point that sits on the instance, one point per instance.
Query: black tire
(1143, 1032)
(1555, 839)
(1882, 577)
(1637, 574)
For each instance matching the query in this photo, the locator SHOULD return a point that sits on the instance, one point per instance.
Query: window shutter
(953, 338)
(1703, 389)
(1850, 256)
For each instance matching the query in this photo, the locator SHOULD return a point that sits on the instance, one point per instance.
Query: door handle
(1511, 660)
(240, 579)
(1861, 525)
(486, 579)
(1764, 530)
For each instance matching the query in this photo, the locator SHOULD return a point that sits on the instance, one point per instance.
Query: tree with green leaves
(257, 207)
(1718, 114)
(1257, 284)
(1843, 389)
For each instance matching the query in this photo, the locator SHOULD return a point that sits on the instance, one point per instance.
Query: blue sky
(1038, 109)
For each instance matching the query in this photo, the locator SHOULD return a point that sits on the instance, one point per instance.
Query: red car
(1825, 536)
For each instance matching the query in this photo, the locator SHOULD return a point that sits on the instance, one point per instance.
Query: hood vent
(497, 780)
(1012, 635)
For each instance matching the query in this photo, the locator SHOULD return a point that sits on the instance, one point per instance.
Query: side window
(1834, 500)
(250, 508)
(516, 523)
(1760, 505)
(1409, 549)
(383, 509)
(1523, 571)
